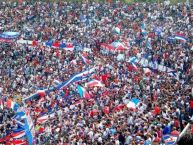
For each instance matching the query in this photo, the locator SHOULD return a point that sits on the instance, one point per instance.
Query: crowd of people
(166, 101)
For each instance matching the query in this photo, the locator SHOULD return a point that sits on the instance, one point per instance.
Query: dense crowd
(166, 101)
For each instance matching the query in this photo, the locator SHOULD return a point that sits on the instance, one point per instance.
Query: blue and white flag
(9, 35)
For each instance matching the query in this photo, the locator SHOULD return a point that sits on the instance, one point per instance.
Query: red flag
(56, 44)
(34, 43)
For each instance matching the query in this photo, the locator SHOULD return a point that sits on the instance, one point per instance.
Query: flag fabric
(18, 135)
(12, 105)
(147, 71)
(180, 37)
(133, 103)
(85, 60)
(1, 104)
(74, 78)
(41, 93)
(94, 83)
(169, 139)
(148, 44)
(117, 29)
(19, 142)
(9, 35)
(83, 92)
(133, 59)
(119, 107)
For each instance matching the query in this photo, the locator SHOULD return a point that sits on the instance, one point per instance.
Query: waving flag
(12, 105)
(69, 47)
(180, 37)
(19, 142)
(94, 83)
(117, 30)
(148, 44)
(1, 104)
(17, 135)
(119, 107)
(85, 60)
(147, 71)
(133, 103)
(133, 59)
(74, 78)
(83, 93)
(169, 139)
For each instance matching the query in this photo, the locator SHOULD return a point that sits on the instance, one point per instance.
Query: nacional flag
(12, 105)
(41, 93)
(94, 83)
(83, 93)
(69, 47)
(19, 142)
(1, 104)
(42, 119)
(133, 59)
(117, 29)
(147, 71)
(85, 60)
(148, 43)
(18, 135)
(180, 37)
(133, 103)
(119, 107)
(56, 44)
(169, 139)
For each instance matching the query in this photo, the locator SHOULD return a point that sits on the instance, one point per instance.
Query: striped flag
(94, 83)
(1, 104)
(18, 135)
(85, 60)
(83, 93)
(12, 105)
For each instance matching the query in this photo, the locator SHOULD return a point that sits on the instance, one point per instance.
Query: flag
(42, 119)
(134, 67)
(20, 115)
(147, 71)
(119, 107)
(1, 104)
(180, 37)
(148, 44)
(133, 103)
(117, 30)
(18, 135)
(169, 139)
(133, 59)
(69, 47)
(56, 44)
(19, 142)
(12, 105)
(85, 60)
(34, 43)
(41, 93)
(94, 83)
(83, 93)
(9, 35)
